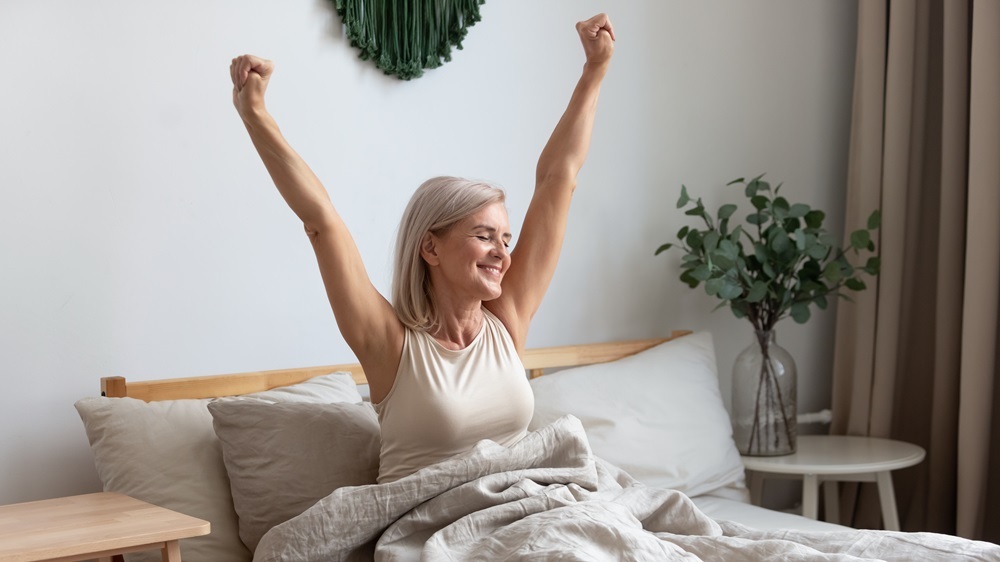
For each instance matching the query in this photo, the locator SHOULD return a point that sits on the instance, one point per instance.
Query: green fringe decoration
(403, 37)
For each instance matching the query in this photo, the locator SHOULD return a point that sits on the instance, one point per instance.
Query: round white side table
(837, 458)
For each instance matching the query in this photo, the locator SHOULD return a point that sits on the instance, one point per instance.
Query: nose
(500, 249)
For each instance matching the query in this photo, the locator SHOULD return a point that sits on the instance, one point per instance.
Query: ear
(428, 249)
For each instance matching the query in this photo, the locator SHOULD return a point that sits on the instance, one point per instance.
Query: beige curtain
(916, 353)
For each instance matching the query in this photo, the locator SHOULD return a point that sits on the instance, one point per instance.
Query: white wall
(140, 235)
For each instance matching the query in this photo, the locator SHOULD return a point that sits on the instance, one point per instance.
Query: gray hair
(436, 206)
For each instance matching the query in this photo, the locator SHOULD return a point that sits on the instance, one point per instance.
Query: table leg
(172, 551)
(810, 496)
(756, 487)
(887, 497)
(832, 500)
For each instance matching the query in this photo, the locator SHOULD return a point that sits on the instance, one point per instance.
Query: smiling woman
(443, 360)
(443, 209)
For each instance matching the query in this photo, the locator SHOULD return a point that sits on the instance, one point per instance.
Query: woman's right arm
(366, 319)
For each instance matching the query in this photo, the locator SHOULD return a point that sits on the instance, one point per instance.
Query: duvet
(549, 498)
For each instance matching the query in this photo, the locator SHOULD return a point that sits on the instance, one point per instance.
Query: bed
(283, 464)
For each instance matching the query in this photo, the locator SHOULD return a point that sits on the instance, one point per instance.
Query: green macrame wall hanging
(403, 37)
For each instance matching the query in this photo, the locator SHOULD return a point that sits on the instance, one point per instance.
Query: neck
(458, 323)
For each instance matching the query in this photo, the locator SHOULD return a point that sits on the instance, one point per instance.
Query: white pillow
(657, 414)
(166, 453)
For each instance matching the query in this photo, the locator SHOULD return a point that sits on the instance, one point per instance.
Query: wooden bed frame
(214, 386)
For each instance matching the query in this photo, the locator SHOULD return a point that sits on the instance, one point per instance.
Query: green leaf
(814, 218)
(697, 211)
(730, 289)
(845, 267)
(711, 241)
(759, 202)
(757, 292)
(860, 239)
(702, 272)
(726, 211)
(691, 281)
(800, 312)
(694, 240)
(757, 218)
(781, 203)
(798, 211)
(731, 250)
(683, 232)
(821, 302)
(828, 240)
(855, 284)
(713, 286)
(737, 180)
(690, 259)
(760, 252)
(739, 309)
(818, 251)
(662, 249)
(873, 265)
(780, 242)
(800, 240)
(722, 261)
(684, 197)
(875, 220)
(832, 272)
(813, 287)
(734, 236)
(769, 271)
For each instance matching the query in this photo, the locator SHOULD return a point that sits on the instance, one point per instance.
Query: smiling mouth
(493, 270)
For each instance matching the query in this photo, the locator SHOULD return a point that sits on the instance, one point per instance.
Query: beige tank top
(444, 401)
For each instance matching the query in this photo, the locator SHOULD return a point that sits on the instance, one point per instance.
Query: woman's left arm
(533, 261)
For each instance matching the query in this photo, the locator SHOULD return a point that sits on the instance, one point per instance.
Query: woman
(442, 360)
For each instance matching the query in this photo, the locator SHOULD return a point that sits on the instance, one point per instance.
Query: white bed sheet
(725, 509)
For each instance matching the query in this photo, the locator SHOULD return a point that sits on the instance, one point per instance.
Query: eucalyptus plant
(778, 264)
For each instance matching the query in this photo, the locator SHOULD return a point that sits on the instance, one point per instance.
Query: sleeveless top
(443, 401)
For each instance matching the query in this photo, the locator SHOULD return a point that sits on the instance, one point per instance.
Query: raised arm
(366, 319)
(533, 261)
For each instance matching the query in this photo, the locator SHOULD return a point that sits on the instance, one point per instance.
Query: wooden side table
(92, 526)
(837, 458)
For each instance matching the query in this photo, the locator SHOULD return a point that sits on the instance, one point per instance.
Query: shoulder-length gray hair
(437, 205)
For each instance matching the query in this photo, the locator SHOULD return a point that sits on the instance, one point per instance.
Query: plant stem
(762, 431)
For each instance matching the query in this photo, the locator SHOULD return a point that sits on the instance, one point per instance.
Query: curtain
(916, 353)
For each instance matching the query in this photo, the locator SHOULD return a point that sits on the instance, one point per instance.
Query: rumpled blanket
(549, 498)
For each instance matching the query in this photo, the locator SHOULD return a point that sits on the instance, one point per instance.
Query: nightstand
(92, 526)
(837, 458)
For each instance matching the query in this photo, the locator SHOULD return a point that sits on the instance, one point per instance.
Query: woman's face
(471, 258)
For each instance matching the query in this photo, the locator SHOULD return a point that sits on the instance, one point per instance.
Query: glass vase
(764, 394)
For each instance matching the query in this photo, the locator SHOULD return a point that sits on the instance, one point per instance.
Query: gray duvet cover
(549, 498)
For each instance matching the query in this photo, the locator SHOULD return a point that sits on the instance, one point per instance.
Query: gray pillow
(282, 458)
(167, 454)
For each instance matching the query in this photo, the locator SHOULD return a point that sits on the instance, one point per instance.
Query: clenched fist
(598, 38)
(250, 76)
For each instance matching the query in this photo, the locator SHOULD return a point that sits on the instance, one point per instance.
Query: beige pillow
(166, 453)
(281, 458)
(657, 414)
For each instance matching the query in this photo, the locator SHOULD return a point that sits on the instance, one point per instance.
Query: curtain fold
(915, 354)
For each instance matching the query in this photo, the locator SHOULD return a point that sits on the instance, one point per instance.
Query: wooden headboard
(535, 362)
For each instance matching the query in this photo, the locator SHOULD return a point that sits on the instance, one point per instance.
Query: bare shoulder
(506, 312)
